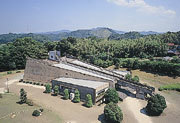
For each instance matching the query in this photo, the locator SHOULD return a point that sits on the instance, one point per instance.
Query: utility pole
(7, 86)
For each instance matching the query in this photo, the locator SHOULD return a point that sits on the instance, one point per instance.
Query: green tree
(135, 79)
(23, 96)
(128, 77)
(111, 95)
(113, 113)
(48, 88)
(66, 94)
(56, 90)
(77, 96)
(89, 101)
(156, 105)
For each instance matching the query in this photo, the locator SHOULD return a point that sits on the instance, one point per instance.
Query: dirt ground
(11, 112)
(70, 112)
(76, 113)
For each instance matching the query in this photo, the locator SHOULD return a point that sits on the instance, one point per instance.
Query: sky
(24, 16)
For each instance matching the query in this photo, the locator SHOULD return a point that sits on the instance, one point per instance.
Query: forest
(131, 53)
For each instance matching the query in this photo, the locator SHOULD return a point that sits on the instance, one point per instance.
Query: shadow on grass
(19, 102)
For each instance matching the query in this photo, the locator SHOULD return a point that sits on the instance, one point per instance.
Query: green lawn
(175, 86)
(10, 72)
(23, 113)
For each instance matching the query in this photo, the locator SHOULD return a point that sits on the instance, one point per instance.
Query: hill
(58, 35)
(100, 32)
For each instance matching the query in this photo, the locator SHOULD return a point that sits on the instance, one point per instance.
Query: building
(95, 88)
(54, 55)
(71, 73)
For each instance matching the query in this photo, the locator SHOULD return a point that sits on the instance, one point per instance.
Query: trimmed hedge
(175, 86)
(89, 102)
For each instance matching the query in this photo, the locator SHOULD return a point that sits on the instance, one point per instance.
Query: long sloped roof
(83, 71)
(82, 82)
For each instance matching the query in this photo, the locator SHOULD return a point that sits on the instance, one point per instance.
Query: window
(51, 56)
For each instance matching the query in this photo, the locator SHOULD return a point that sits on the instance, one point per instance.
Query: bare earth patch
(131, 107)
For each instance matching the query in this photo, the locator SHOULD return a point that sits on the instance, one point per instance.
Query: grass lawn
(10, 72)
(175, 86)
(11, 112)
(152, 79)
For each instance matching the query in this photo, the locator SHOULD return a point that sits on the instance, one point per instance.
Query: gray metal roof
(83, 71)
(121, 72)
(82, 82)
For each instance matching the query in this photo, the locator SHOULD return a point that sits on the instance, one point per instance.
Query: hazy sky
(125, 15)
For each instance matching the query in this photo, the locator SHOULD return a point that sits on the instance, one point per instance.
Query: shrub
(56, 90)
(23, 96)
(34, 83)
(48, 88)
(30, 82)
(175, 86)
(36, 113)
(76, 97)
(135, 79)
(29, 102)
(38, 83)
(9, 72)
(113, 113)
(42, 84)
(89, 101)
(66, 94)
(111, 95)
(41, 109)
(128, 77)
(18, 71)
(156, 105)
(27, 82)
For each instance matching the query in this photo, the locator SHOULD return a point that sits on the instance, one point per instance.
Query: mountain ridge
(99, 32)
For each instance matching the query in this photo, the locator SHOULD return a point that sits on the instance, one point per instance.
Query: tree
(76, 97)
(56, 90)
(156, 105)
(89, 101)
(48, 88)
(66, 94)
(23, 96)
(111, 95)
(113, 113)
(135, 79)
(128, 77)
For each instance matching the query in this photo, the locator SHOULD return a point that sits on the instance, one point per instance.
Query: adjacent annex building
(71, 74)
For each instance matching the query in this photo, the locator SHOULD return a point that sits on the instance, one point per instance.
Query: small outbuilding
(95, 88)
